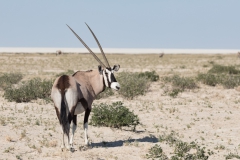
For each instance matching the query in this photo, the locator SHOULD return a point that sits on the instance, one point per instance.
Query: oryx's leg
(85, 124)
(73, 128)
(58, 116)
(68, 145)
(63, 143)
(68, 139)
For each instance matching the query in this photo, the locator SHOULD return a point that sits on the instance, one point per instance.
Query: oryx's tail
(63, 85)
(64, 116)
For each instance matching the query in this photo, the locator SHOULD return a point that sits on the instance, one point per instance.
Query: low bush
(132, 84)
(208, 79)
(182, 150)
(152, 76)
(180, 84)
(156, 152)
(30, 90)
(8, 79)
(227, 80)
(232, 156)
(230, 81)
(218, 69)
(115, 115)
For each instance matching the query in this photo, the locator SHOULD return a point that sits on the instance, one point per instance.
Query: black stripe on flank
(84, 103)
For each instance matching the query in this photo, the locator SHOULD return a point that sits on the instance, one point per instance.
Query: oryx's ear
(100, 69)
(116, 67)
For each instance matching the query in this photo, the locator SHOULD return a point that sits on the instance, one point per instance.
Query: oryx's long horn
(87, 47)
(100, 47)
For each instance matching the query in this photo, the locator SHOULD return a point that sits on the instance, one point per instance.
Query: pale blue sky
(176, 24)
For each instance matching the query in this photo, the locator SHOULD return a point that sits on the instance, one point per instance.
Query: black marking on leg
(75, 119)
(71, 114)
(87, 113)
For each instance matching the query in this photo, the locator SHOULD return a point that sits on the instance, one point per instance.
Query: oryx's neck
(97, 82)
(92, 80)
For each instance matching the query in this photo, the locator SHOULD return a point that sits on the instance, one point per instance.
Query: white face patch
(115, 85)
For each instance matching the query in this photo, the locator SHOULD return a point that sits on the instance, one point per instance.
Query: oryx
(161, 55)
(74, 94)
(58, 52)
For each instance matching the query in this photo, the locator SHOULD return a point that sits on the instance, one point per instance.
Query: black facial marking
(109, 83)
(113, 79)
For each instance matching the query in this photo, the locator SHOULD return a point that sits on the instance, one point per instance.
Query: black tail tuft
(64, 116)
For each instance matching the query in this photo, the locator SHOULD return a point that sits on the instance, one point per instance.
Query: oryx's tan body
(58, 52)
(77, 92)
(83, 88)
(74, 94)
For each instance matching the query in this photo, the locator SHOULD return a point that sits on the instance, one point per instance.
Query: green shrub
(156, 152)
(132, 84)
(223, 69)
(174, 92)
(208, 79)
(232, 155)
(115, 115)
(228, 81)
(30, 90)
(152, 76)
(8, 79)
(182, 150)
(180, 84)
(106, 93)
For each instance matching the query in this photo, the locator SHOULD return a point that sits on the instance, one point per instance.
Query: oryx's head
(108, 76)
(107, 72)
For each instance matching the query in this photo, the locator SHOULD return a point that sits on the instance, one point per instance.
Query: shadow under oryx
(119, 143)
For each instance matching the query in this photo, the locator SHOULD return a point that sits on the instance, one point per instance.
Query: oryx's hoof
(71, 148)
(68, 148)
(87, 143)
(62, 148)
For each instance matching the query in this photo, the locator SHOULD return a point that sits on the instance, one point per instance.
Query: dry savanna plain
(206, 115)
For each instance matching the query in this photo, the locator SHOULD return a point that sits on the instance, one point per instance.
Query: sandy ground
(207, 115)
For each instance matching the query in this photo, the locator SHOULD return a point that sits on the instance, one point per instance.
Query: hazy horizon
(118, 50)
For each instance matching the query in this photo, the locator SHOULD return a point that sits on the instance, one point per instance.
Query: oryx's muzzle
(115, 85)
